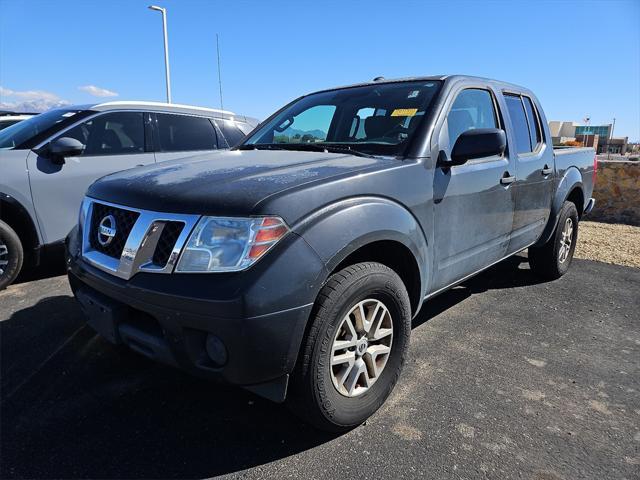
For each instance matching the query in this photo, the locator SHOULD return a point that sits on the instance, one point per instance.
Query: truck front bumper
(234, 327)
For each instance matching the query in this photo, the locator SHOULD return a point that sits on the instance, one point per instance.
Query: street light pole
(610, 138)
(166, 48)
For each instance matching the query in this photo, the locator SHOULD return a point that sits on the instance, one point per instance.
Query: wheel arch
(371, 229)
(570, 188)
(14, 214)
(397, 257)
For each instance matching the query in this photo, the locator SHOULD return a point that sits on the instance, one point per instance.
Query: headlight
(224, 244)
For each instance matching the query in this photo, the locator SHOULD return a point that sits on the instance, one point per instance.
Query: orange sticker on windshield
(404, 112)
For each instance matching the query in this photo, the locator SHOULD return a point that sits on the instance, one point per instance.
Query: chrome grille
(144, 240)
(166, 242)
(125, 220)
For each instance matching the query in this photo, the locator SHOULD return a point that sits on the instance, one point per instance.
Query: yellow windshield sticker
(404, 112)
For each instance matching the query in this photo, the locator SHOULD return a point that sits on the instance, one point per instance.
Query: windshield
(28, 133)
(373, 119)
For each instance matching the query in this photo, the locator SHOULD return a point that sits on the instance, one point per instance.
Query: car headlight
(225, 244)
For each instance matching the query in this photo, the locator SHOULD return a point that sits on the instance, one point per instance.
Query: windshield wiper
(348, 150)
(320, 147)
(315, 147)
(258, 146)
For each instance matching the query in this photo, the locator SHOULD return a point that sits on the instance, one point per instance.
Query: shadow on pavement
(51, 265)
(510, 273)
(74, 405)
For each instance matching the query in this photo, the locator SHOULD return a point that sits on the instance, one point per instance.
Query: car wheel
(11, 255)
(355, 347)
(552, 260)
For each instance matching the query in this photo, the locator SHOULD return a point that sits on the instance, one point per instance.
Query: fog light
(216, 350)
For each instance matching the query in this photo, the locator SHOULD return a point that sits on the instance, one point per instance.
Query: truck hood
(226, 183)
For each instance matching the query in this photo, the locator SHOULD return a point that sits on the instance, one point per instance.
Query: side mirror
(63, 147)
(478, 143)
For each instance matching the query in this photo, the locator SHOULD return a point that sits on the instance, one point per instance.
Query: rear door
(473, 205)
(179, 136)
(113, 141)
(534, 171)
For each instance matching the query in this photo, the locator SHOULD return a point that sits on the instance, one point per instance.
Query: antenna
(219, 74)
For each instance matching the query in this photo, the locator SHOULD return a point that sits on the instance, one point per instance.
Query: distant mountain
(290, 132)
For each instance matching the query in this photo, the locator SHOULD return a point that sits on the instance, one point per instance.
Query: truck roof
(162, 107)
(450, 78)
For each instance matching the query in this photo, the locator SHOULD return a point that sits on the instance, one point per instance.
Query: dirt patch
(609, 243)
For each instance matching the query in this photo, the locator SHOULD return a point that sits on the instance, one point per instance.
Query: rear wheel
(11, 255)
(552, 260)
(354, 350)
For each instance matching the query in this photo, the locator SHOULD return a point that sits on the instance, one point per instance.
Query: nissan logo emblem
(106, 230)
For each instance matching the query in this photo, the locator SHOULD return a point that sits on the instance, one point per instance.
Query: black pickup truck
(293, 264)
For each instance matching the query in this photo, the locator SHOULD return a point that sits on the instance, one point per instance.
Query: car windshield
(29, 132)
(374, 119)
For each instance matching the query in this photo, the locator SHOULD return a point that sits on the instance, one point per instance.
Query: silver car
(48, 161)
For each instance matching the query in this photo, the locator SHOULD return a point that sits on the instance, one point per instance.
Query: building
(603, 130)
(592, 141)
(596, 136)
(617, 145)
(562, 129)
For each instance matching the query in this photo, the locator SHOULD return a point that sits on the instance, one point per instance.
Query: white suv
(11, 118)
(48, 161)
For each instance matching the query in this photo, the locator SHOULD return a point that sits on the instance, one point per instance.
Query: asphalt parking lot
(508, 378)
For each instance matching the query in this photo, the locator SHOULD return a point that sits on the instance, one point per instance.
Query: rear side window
(180, 133)
(116, 133)
(473, 108)
(231, 132)
(534, 123)
(519, 122)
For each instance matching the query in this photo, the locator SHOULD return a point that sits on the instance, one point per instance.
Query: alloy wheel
(565, 241)
(361, 347)
(4, 257)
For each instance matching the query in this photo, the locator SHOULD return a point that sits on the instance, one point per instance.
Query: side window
(534, 123)
(117, 133)
(180, 133)
(519, 122)
(231, 132)
(472, 108)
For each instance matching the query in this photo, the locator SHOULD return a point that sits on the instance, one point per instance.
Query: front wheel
(355, 347)
(552, 260)
(11, 255)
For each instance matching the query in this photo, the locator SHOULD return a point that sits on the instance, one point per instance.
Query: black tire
(313, 395)
(10, 252)
(547, 261)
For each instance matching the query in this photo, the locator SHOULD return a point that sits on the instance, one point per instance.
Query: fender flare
(337, 230)
(570, 181)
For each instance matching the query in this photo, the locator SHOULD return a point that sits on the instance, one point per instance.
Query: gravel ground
(609, 243)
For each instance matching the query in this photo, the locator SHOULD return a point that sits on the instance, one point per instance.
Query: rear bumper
(589, 206)
(169, 317)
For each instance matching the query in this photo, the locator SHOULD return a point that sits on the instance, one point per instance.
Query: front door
(113, 141)
(473, 203)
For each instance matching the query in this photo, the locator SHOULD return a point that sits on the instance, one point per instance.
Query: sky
(581, 58)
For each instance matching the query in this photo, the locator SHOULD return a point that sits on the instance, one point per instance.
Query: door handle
(140, 165)
(507, 179)
(546, 170)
